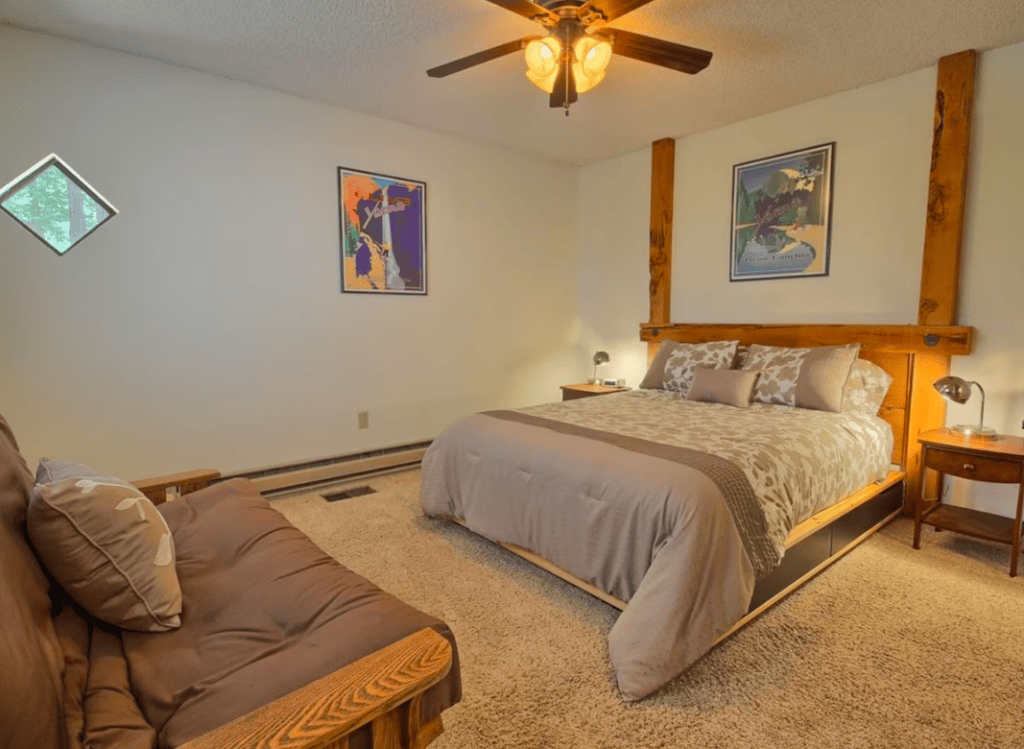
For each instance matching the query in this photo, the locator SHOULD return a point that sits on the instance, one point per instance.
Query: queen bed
(691, 516)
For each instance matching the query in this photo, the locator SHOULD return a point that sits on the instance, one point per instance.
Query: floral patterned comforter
(798, 461)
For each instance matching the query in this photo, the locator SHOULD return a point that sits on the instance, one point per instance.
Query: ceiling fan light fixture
(570, 60)
(542, 62)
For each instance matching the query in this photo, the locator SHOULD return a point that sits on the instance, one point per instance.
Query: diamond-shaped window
(55, 204)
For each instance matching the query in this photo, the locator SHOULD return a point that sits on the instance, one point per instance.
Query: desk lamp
(958, 390)
(601, 357)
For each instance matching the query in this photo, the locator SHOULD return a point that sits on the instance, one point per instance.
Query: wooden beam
(947, 189)
(663, 170)
(943, 241)
(929, 339)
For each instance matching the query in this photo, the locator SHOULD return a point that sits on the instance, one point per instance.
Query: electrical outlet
(364, 419)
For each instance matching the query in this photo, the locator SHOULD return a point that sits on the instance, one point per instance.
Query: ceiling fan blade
(610, 9)
(480, 57)
(528, 9)
(565, 89)
(657, 51)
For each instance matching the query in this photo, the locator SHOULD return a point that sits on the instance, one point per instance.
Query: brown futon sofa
(279, 645)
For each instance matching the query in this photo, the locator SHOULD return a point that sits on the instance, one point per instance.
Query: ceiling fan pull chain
(568, 63)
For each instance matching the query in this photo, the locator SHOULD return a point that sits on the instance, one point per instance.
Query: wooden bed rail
(905, 339)
(383, 689)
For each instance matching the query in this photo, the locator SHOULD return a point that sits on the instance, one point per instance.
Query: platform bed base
(810, 548)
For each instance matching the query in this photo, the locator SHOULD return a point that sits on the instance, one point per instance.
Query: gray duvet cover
(673, 506)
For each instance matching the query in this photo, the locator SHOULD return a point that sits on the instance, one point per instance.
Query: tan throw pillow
(866, 388)
(729, 386)
(107, 545)
(803, 377)
(686, 357)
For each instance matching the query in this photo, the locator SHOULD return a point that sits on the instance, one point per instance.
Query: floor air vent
(355, 491)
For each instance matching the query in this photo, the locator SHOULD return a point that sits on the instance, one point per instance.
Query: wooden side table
(999, 460)
(572, 392)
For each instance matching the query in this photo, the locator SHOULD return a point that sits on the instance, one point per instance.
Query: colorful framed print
(782, 215)
(383, 233)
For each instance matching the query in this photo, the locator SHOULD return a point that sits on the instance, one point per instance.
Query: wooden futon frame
(384, 689)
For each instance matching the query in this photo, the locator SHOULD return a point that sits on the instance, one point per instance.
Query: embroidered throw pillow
(803, 377)
(686, 357)
(729, 386)
(107, 545)
(866, 388)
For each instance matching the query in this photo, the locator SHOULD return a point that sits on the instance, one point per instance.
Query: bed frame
(915, 356)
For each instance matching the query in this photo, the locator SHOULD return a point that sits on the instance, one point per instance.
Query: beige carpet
(890, 647)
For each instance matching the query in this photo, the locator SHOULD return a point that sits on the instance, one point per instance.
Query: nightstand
(572, 392)
(999, 460)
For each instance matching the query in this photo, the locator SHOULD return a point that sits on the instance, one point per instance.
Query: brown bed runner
(729, 478)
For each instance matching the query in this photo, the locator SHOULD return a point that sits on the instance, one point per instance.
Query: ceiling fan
(574, 55)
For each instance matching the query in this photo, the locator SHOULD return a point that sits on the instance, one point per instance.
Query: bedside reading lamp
(601, 357)
(958, 390)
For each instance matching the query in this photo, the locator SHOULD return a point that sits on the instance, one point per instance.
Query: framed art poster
(383, 233)
(782, 215)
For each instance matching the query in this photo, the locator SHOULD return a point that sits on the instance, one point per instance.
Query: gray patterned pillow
(803, 377)
(866, 388)
(679, 368)
(107, 545)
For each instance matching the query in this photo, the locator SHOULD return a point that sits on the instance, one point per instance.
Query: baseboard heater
(308, 475)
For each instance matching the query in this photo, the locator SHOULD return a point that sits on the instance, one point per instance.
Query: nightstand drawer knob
(969, 466)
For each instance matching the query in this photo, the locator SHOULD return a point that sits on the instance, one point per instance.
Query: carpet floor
(890, 647)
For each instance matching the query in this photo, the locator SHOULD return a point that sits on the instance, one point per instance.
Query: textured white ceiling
(370, 56)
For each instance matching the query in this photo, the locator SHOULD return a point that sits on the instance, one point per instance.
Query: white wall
(883, 134)
(204, 325)
(615, 210)
(883, 146)
(992, 280)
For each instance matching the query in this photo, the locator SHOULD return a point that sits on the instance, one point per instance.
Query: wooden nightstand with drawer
(999, 460)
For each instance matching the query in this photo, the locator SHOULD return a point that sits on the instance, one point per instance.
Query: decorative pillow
(729, 386)
(655, 377)
(686, 357)
(866, 388)
(742, 352)
(107, 545)
(804, 377)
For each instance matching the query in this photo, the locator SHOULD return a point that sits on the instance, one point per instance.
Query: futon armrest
(189, 481)
(322, 714)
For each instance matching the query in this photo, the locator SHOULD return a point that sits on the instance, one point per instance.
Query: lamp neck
(981, 418)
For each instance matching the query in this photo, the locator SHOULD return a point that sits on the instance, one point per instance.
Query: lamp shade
(590, 58)
(601, 357)
(543, 57)
(956, 389)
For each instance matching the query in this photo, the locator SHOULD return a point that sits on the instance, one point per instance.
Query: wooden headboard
(915, 356)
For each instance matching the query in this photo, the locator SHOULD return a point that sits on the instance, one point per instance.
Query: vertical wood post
(663, 170)
(947, 190)
(943, 240)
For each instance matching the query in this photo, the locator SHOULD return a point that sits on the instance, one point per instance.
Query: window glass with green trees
(55, 204)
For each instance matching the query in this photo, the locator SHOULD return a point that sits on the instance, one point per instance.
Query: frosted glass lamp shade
(542, 62)
(590, 59)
